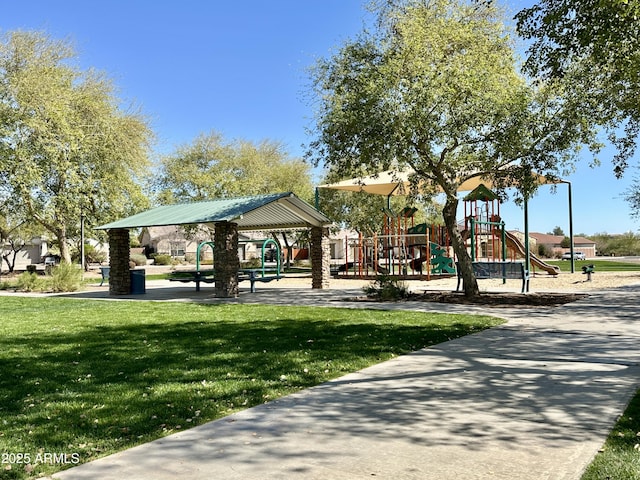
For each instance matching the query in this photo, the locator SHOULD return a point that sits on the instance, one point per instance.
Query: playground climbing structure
(486, 235)
(408, 251)
(402, 249)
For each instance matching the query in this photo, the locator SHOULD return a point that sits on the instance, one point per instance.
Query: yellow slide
(515, 243)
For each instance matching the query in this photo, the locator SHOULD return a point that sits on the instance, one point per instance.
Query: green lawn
(88, 378)
(620, 455)
(600, 265)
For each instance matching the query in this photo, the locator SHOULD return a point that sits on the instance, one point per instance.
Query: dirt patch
(500, 299)
(487, 299)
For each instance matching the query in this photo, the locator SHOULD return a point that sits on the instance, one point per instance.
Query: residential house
(175, 241)
(32, 253)
(553, 244)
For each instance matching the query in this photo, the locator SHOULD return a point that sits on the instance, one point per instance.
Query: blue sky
(240, 68)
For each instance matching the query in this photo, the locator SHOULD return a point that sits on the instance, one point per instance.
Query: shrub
(387, 288)
(138, 259)
(93, 255)
(29, 282)
(252, 263)
(544, 251)
(162, 259)
(66, 277)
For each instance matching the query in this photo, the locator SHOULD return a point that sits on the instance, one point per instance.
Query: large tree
(66, 147)
(597, 43)
(212, 167)
(436, 88)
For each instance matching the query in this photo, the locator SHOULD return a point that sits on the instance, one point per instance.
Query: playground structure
(408, 251)
(403, 250)
(488, 240)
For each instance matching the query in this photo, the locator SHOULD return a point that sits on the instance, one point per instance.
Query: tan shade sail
(392, 182)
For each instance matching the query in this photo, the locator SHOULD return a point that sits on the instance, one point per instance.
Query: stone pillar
(225, 259)
(320, 258)
(119, 275)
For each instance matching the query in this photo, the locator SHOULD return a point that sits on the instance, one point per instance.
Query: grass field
(619, 458)
(600, 265)
(85, 379)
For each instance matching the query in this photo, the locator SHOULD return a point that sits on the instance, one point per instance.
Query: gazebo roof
(277, 211)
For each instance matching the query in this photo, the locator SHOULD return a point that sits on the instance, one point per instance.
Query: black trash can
(138, 281)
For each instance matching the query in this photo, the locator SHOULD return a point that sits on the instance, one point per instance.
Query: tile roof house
(173, 240)
(554, 244)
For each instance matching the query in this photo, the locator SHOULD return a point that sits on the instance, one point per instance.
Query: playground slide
(515, 243)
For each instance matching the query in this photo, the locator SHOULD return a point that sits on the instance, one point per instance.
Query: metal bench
(504, 270)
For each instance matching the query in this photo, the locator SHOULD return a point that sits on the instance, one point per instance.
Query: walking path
(532, 399)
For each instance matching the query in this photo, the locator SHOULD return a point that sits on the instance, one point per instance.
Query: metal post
(504, 241)
(527, 253)
(82, 262)
(571, 248)
(472, 236)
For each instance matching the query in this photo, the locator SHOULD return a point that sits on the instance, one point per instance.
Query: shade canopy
(394, 182)
(278, 211)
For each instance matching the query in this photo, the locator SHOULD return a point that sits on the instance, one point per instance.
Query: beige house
(173, 240)
(553, 243)
(32, 253)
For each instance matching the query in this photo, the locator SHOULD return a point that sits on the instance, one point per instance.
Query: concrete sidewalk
(532, 399)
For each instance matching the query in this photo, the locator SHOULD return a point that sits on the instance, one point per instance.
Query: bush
(544, 251)
(387, 288)
(29, 282)
(252, 263)
(162, 259)
(92, 255)
(66, 277)
(138, 259)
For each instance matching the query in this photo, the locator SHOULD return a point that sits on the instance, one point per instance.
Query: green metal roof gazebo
(270, 212)
(277, 211)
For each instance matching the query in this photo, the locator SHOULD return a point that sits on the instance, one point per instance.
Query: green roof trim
(274, 211)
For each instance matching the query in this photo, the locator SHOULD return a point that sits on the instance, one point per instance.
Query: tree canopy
(436, 88)
(211, 167)
(597, 43)
(66, 147)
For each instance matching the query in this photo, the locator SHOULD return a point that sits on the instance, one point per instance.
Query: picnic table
(252, 275)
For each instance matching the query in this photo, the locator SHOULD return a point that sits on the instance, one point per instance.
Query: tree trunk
(60, 232)
(469, 282)
(289, 249)
(10, 265)
(65, 253)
